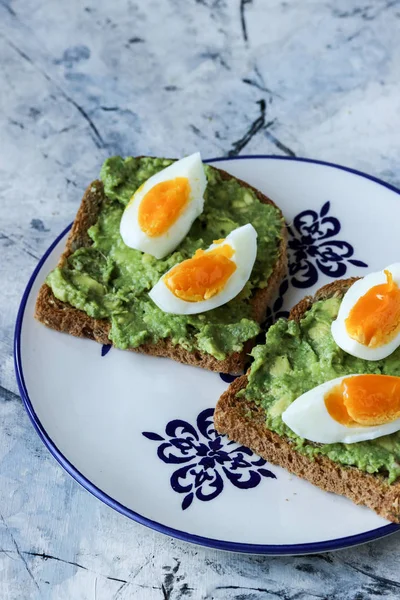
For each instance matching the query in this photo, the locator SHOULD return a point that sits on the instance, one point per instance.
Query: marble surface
(82, 80)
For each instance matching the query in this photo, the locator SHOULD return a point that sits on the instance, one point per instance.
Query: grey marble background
(80, 80)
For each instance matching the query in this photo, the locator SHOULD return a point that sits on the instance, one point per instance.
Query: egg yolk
(365, 400)
(162, 205)
(202, 276)
(375, 318)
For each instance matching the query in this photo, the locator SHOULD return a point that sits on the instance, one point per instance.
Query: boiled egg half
(211, 277)
(368, 322)
(162, 210)
(349, 409)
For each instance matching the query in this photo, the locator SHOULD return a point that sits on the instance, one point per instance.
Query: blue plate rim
(246, 548)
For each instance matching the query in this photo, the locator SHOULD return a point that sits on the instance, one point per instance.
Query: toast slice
(63, 317)
(244, 422)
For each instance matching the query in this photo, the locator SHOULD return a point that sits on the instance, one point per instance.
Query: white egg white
(309, 418)
(190, 167)
(354, 293)
(243, 240)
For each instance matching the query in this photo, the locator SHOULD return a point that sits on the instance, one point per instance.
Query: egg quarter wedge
(211, 277)
(163, 209)
(358, 293)
(308, 416)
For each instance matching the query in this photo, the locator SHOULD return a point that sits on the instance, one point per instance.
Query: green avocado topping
(300, 356)
(109, 280)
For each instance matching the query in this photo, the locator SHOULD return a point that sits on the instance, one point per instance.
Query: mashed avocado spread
(299, 356)
(109, 280)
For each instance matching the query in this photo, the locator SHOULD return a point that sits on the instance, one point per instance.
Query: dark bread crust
(244, 422)
(63, 317)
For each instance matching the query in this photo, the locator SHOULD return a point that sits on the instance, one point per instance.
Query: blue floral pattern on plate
(208, 459)
(228, 378)
(312, 248)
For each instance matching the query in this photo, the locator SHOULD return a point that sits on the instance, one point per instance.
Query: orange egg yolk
(162, 205)
(365, 400)
(375, 318)
(202, 276)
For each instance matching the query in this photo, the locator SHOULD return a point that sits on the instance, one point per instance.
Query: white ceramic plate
(137, 431)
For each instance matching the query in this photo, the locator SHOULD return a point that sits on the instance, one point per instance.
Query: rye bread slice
(63, 317)
(232, 417)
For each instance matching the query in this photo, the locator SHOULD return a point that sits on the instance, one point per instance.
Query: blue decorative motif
(311, 247)
(105, 349)
(228, 378)
(207, 459)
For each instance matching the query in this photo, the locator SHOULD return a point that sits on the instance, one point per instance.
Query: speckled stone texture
(82, 80)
